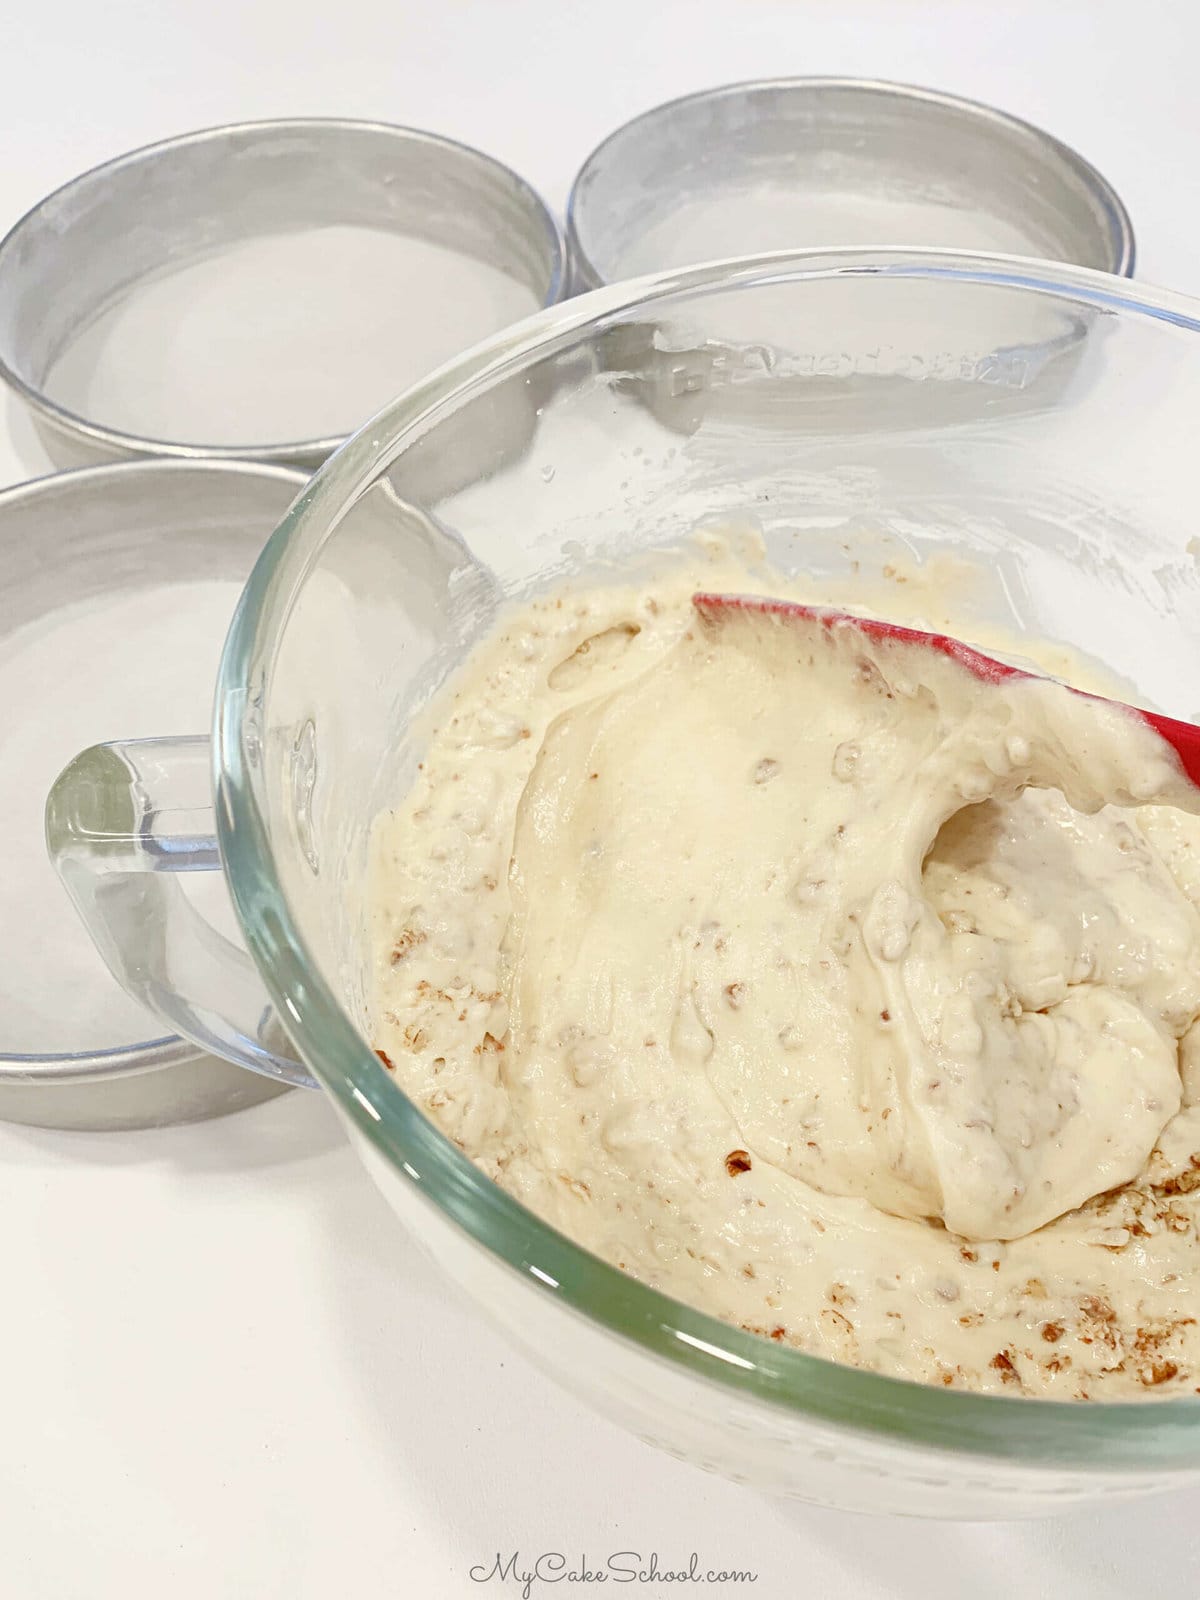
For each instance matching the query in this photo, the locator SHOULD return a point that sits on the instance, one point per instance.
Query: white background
(223, 1370)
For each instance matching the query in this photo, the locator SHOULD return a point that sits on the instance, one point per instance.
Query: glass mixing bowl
(851, 407)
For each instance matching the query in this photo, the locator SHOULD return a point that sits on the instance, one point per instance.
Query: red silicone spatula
(1183, 738)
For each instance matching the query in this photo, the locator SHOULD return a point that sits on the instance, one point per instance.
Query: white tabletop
(226, 1370)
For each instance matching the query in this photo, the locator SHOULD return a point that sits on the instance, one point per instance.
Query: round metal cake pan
(68, 542)
(793, 163)
(113, 231)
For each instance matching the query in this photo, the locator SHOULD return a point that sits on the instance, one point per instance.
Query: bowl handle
(121, 821)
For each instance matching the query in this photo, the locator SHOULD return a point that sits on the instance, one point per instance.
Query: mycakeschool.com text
(528, 1574)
